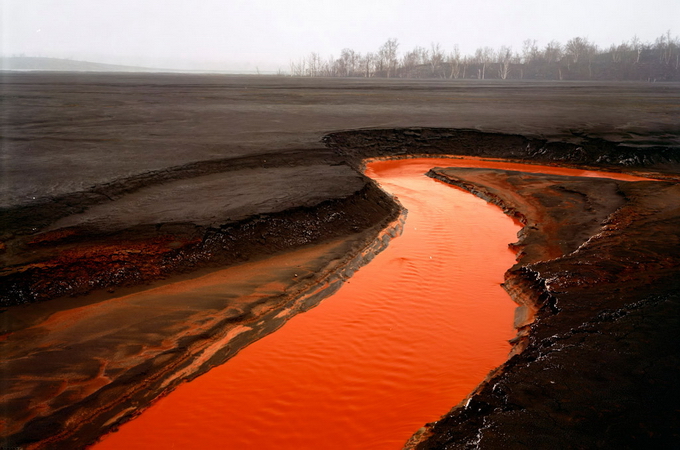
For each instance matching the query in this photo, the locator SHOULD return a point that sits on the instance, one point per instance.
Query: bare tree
(327, 67)
(312, 64)
(352, 60)
(436, 58)
(667, 46)
(530, 51)
(454, 61)
(345, 66)
(340, 67)
(637, 46)
(579, 48)
(297, 69)
(416, 57)
(504, 57)
(575, 60)
(483, 56)
(388, 56)
(552, 52)
(618, 52)
(368, 64)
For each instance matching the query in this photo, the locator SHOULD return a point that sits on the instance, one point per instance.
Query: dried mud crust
(595, 364)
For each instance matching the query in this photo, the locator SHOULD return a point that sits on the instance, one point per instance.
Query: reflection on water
(406, 338)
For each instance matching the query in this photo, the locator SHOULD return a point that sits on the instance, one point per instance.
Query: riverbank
(74, 368)
(563, 217)
(596, 355)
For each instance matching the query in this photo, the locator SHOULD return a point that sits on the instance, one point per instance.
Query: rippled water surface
(405, 339)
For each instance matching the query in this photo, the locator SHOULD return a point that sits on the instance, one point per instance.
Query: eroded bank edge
(356, 145)
(524, 286)
(229, 343)
(138, 256)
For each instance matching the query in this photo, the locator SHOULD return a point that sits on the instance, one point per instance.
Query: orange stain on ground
(405, 339)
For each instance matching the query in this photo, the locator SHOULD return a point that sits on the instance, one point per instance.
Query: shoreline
(575, 326)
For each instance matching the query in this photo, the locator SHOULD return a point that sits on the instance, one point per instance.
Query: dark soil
(114, 181)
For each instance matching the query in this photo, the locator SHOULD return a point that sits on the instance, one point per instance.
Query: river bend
(405, 339)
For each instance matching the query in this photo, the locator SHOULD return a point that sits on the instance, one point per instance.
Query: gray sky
(268, 34)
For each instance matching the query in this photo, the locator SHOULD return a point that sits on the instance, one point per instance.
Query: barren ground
(113, 181)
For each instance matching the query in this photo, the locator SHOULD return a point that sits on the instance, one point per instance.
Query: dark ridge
(356, 145)
(359, 217)
(196, 246)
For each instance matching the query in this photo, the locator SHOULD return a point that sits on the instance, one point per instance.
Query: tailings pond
(405, 339)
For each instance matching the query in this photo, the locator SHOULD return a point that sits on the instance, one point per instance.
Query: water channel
(405, 339)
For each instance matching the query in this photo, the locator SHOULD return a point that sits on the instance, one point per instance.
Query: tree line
(578, 59)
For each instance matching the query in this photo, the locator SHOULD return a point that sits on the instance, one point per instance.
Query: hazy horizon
(265, 35)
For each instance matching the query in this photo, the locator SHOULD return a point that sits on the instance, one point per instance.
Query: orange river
(404, 340)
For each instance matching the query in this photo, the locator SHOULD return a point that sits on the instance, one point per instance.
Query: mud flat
(114, 183)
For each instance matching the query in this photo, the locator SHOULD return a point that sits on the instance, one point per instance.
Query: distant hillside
(64, 65)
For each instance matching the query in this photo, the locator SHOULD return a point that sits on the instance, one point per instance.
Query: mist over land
(43, 64)
(266, 36)
(577, 59)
